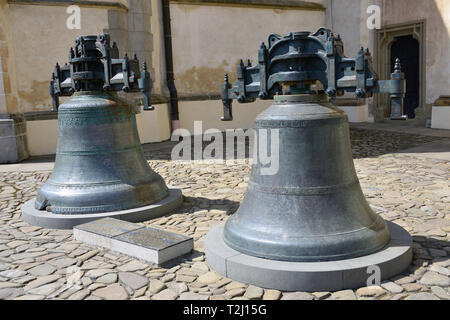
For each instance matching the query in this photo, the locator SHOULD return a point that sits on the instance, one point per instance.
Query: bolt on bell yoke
(100, 165)
(313, 208)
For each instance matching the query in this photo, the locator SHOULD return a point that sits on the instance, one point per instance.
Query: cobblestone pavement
(414, 192)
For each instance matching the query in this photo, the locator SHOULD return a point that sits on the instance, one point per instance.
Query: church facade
(190, 44)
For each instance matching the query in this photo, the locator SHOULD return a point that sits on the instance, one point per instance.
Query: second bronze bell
(100, 169)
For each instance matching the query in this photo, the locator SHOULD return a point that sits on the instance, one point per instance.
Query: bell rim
(62, 221)
(329, 258)
(376, 240)
(49, 196)
(290, 258)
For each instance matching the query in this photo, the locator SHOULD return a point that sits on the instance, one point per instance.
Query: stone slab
(150, 244)
(62, 221)
(13, 140)
(109, 227)
(356, 114)
(308, 276)
(440, 117)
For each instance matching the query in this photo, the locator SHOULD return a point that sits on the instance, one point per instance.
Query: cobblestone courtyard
(408, 188)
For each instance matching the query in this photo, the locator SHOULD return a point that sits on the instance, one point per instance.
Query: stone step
(149, 244)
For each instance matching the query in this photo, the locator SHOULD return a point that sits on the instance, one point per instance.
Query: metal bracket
(300, 60)
(95, 66)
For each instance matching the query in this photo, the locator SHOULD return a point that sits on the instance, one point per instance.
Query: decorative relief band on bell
(94, 110)
(88, 210)
(297, 191)
(107, 184)
(95, 152)
(305, 98)
(79, 122)
(270, 123)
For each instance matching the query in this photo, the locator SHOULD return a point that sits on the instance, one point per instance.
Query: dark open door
(407, 49)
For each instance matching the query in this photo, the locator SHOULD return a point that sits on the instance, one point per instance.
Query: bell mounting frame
(94, 65)
(293, 64)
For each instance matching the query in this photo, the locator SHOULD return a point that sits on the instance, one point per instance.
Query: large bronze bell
(100, 164)
(312, 209)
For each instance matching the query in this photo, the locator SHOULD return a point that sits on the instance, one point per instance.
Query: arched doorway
(407, 49)
(407, 42)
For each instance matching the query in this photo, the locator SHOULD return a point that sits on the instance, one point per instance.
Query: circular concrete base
(63, 221)
(310, 276)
